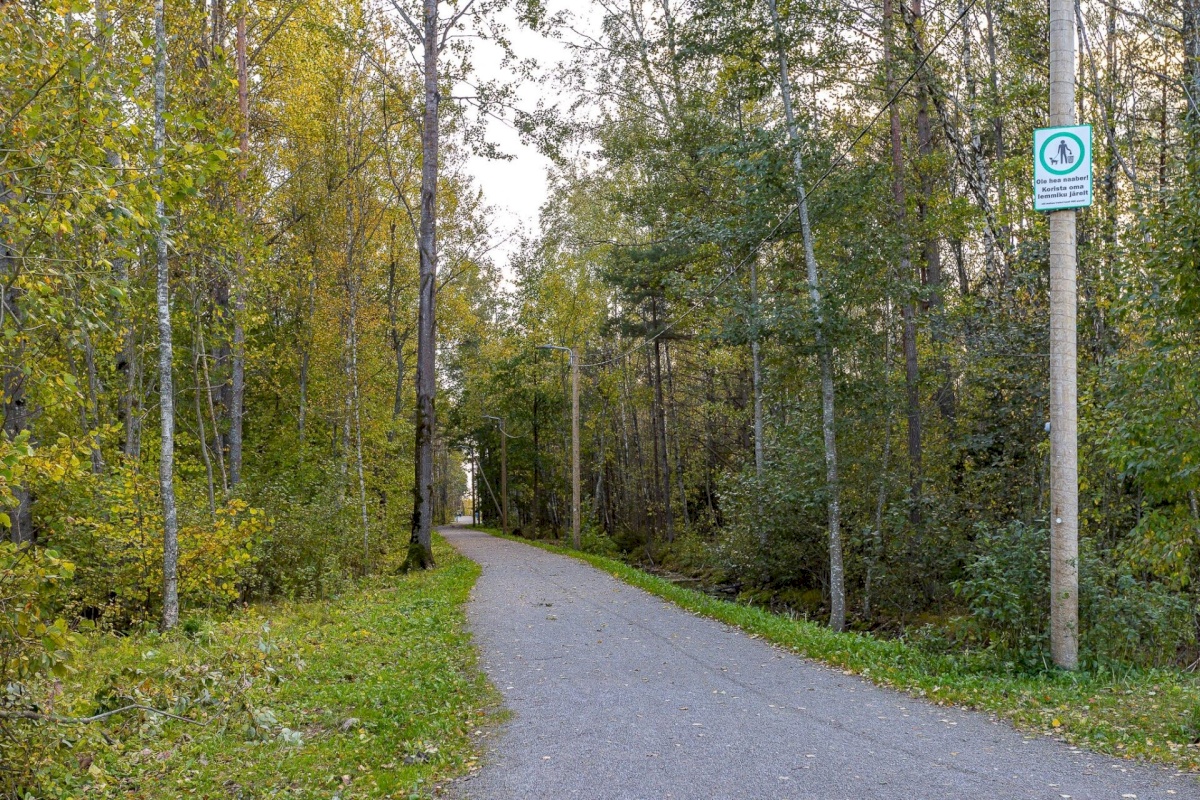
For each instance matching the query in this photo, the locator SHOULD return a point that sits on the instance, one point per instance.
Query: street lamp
(574, 438)
(503, 472)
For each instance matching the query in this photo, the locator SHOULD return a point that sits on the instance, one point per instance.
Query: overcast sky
(517, 188)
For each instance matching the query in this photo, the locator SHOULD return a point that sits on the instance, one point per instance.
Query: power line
(837, 162)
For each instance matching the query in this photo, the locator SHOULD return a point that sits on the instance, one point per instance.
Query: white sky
(516, 189)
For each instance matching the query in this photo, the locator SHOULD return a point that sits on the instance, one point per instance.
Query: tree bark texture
(237, 388)
(166, 384)
(756, 362)
(837, 588)
(420, 553)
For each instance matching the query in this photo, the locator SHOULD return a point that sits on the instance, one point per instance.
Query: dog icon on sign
(1065, 156)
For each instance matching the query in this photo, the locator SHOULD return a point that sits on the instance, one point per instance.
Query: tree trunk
(837, 588)
(204, 455)
(998, 138)
(1191, 74)
(212, 411)
(420, 551)
(352, 286)
(660, 414)
(126, 362)
(218, 24)
(237, 388)
(756, 359)
(932, 251)
(166, 385)
(877, 546)
(93, 401)
(16, 409)
(677, 442)
(912, 377)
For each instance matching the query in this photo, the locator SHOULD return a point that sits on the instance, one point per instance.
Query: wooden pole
(575, 537)
(503, 478)
(1064, 464)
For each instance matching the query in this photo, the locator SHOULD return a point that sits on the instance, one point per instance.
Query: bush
(305, 555)
(1123, 618)
(33, 642)
(111, 526)
(1007, 589)
(1131, 621)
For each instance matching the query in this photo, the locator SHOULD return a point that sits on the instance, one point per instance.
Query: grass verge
(371, 695)
(1148, 714)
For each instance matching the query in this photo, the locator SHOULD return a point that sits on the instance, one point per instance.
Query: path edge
(868, 657)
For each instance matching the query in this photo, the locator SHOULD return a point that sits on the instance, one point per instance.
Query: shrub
(111, 526)
(1123, 618)
(33, 642)
(1007, 588)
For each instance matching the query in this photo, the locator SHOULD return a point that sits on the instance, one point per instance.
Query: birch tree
(166, 384)
(837, 586)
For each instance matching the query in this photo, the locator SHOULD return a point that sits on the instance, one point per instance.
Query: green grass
(372, 695)
(1149, 714)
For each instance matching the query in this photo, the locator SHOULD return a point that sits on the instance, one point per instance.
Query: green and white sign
(1062, 168)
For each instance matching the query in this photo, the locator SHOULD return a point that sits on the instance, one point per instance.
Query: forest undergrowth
(373, 694)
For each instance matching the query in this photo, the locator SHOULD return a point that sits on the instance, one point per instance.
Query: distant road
(618, 694)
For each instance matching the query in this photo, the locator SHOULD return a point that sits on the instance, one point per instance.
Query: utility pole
(503, 473)
(574, 357)
(1064, 444)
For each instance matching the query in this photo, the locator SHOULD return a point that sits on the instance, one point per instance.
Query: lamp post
(575, 540)
(474, 488)
(503, 472)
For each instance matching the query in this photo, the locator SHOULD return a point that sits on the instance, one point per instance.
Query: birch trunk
(166, 386)
(420, 551)
(877, 549)
(237, 389)
(358, 437)
(837, 588)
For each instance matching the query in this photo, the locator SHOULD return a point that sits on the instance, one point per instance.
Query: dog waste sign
(1062, 168)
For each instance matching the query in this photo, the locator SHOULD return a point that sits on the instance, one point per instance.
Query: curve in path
(618, 694)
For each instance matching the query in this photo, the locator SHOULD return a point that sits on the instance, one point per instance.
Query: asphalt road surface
(617, 694)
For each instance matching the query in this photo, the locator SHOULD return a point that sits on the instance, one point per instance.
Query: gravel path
(617, 694)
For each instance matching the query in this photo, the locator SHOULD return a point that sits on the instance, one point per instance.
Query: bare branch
(58, 720)
(452, 23)
(408, 19)
(282, 20)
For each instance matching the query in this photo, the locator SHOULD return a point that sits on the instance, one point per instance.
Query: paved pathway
(617, 694)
